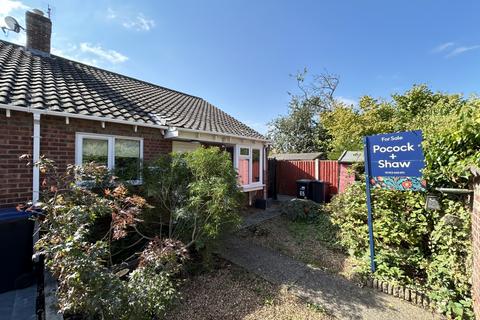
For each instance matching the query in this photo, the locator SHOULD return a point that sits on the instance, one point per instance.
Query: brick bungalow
(73, 113)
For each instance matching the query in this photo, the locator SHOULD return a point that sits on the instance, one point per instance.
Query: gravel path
(338, 296)
(260, 216)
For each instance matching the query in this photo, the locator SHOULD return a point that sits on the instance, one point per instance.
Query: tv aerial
(12, 25)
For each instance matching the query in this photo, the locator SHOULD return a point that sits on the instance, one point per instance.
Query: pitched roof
(351, 157)
(57, 84)
(297, 156)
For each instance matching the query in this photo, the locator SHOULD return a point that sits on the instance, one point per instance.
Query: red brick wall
(57, 143)
(15, 139)
(476, 248)
(58, 138)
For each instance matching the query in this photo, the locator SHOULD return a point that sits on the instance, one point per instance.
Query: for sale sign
(395, 160)
(392, 161)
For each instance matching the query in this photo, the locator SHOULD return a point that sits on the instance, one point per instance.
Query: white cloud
(18, 38)
(451, 49)
(71, 52)
(16, 9)
(8, 6)
(347, 101)
(109, 55)
(443, 47)
(111, 14)
(461, 50)
(87, 53)
(139, 23)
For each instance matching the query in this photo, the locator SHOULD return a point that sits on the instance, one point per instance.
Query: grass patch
(320, 229)
(314, 242)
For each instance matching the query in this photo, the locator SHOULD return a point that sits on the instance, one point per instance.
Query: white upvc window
(249, 164)
(121, 155)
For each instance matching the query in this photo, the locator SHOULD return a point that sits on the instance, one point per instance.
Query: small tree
(301, 129)
(347, 125)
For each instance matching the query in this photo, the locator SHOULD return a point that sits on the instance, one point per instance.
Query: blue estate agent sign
(397, 154)
(392, 161)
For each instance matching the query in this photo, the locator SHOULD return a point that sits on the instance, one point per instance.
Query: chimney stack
(39, 31)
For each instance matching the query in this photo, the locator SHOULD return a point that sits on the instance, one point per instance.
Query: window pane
(95, 150)
(243, 165)
(127, 159)
(244, 151)
(255, 165)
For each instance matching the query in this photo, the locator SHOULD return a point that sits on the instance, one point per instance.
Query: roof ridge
(53, 56)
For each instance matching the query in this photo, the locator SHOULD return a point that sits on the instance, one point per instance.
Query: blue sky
(238, 54)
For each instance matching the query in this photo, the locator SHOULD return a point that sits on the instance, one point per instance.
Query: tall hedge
(415, 246)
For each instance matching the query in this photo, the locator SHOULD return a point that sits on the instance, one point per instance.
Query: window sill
(252, 187)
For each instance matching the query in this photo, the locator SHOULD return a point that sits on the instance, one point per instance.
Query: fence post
(317, 163)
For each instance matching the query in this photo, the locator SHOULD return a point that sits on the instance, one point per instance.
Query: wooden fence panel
(328, 172)
(288, 172)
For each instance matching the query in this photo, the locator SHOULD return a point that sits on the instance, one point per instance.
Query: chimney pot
(39, 32)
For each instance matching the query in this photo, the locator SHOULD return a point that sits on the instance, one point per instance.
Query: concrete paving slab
(346, 300)
(268, 264)
(260, 216)
(19, 304)
(338, 296)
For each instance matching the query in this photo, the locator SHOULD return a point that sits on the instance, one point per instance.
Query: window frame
(251, 186)
(79, 136)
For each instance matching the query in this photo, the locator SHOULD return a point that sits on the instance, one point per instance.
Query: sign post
(369, 205)
(393, 161)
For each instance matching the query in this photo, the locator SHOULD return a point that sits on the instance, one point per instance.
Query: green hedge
(417, 247)
(414, 246)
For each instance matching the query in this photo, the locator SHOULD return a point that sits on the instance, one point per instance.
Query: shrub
(449, 271)
(107, 247)
(92, 280)
(301, 210)
(413, 246)
(195, 194)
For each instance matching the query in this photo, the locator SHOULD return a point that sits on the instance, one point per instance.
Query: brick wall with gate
(476, 243)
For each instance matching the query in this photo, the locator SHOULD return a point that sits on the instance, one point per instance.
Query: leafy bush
(195, 195)
(413, 246)
(84, 257)
(301, 210)
(114, 255)
(450, 267)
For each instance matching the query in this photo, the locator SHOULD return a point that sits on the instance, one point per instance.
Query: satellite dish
(12, 25)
